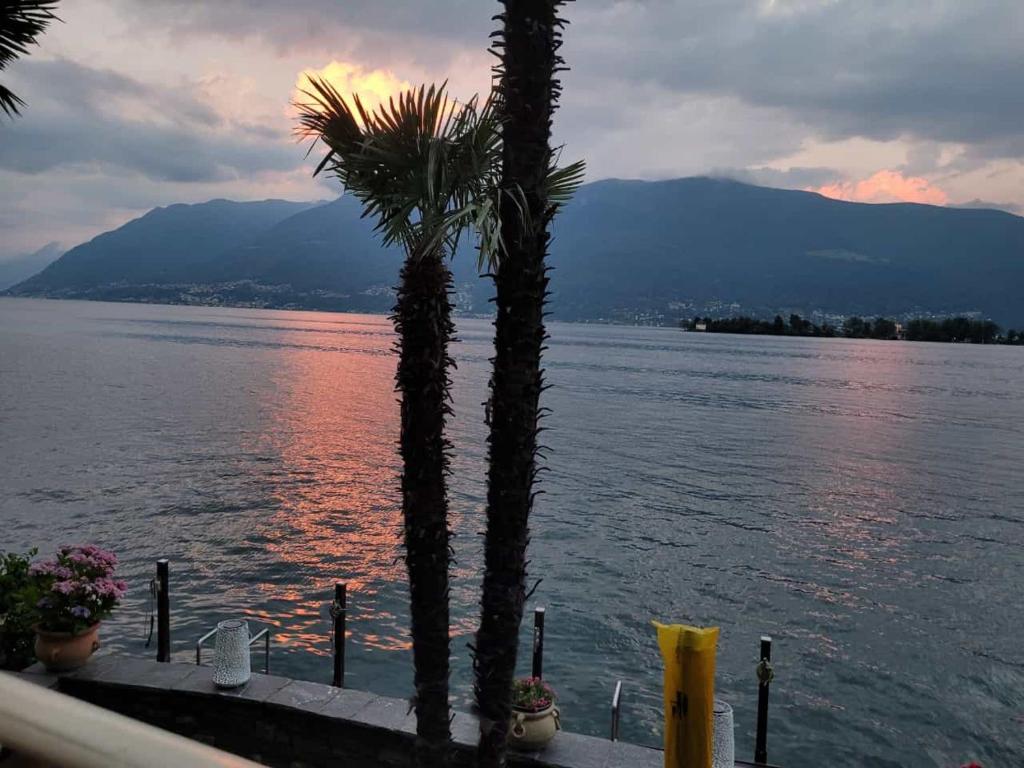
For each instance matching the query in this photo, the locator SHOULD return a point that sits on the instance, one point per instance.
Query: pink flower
(64, 587)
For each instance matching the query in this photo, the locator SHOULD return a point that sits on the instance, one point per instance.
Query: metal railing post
(163, 611)
(616, 709)
(764, 680)
(338, 611)
(538, 642)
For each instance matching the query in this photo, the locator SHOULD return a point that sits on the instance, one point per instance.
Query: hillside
(770, 249)
(176, 244)
(622, 250)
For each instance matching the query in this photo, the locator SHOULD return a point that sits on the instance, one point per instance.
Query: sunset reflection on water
(332, 427)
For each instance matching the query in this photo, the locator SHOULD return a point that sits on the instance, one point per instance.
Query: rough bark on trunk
(423, 321)
(528, 49)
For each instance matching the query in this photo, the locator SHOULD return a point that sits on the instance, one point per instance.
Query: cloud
(987, 205)
(788, 178)
(373, 87)
(109, 123)
(371, 31)
(886, 186)
(940, 70)
(936, 70)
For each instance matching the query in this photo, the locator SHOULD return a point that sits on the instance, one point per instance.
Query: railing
(616, 710)
(66, 732)
(339, 611)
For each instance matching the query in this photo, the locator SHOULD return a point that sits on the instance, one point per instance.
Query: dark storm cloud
(425, 30)
(105, 121)
(943, 70)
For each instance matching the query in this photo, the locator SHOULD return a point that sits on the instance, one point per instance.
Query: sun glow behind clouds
(886, 186)
(373, 87)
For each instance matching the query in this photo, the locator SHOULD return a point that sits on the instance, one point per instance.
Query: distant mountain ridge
(622, 250)
(13, 271)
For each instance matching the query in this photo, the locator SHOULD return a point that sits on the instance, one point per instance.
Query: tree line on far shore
(950, 329)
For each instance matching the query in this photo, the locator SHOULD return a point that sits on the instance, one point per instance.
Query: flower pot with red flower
(76, 590)
(535, 718)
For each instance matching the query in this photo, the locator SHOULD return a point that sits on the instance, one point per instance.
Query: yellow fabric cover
(689, 654)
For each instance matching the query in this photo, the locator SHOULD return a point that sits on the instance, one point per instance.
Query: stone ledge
(200, 682)
(292, 722)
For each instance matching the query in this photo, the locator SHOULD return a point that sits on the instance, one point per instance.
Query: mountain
(701, 239)
(15, 270)
(622, 250)
(176, 244)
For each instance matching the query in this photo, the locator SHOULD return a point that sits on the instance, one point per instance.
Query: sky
(134, 104)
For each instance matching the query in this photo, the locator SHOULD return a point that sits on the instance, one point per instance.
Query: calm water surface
(862, 502)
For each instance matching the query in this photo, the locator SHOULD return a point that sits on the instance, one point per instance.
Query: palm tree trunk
(423, 321)
(528, 50)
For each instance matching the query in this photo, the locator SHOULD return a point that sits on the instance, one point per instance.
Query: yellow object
(689, 654)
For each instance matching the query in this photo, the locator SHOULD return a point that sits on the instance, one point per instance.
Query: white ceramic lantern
(724, 752)
(231, 665)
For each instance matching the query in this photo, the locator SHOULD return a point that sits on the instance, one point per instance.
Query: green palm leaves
(21, 22)
(423, 165)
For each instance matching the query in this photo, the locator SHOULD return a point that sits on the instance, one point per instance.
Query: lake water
(860, 501)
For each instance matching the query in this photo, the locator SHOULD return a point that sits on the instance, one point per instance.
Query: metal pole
(616, 709)
(338, 610)
(538, 642)
(163, 612)
(764, 680)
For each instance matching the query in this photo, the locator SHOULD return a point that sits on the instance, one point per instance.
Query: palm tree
(424, 167)
(21, 22)
(527, 89)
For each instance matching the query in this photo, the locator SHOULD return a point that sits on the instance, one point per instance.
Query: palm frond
(426, 168)
(561, 183)
(9, 102)
(21, 22)
(418, 163)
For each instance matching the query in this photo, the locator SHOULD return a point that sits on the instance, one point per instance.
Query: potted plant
(535, 717)
(76, 591)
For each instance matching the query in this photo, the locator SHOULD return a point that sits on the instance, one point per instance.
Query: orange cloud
(885, 186)
(374, 86)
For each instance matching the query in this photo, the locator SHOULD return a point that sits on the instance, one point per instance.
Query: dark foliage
(859, 328)
(954, 329)
(21, 22)
(748, 325)
(951, 329)
(528, 51)
(17, 611)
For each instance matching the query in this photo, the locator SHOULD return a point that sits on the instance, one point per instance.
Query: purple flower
(44, 603)
(81, 612)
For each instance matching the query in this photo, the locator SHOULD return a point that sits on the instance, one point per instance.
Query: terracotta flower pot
(63, 651)
(533, 730)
